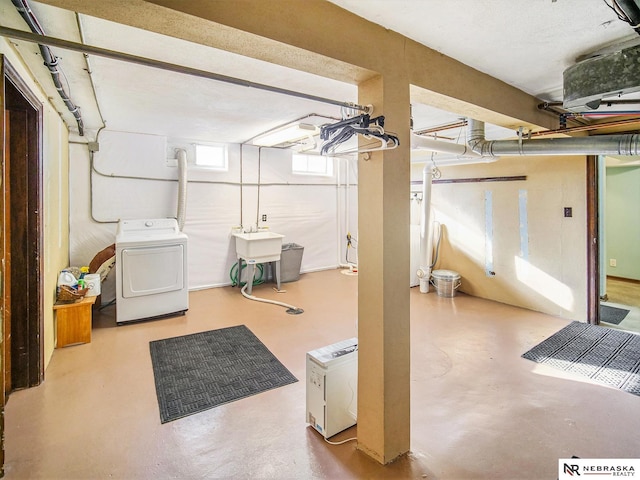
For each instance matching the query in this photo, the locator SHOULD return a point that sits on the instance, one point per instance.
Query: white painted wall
(131, 178)
(547, 273)
(312, 212)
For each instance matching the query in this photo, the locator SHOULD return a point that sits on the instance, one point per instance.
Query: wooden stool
(73, 322)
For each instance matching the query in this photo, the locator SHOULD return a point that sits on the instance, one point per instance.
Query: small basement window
(312, 165)
(212, 157)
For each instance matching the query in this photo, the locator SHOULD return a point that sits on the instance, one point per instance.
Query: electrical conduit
(50, 60)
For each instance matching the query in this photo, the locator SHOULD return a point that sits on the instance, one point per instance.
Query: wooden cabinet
(73, 322)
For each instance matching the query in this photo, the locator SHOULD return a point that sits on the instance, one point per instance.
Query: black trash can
(290, 261)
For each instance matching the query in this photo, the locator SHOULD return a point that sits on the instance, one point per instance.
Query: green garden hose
(235, 281)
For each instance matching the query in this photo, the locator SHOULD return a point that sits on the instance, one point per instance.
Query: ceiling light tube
(288, 134)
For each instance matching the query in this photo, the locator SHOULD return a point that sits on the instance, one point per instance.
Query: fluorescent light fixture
(284, 135)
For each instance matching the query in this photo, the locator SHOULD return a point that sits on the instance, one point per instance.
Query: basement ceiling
(525, 44)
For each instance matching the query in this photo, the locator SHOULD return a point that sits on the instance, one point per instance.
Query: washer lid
(445, 274)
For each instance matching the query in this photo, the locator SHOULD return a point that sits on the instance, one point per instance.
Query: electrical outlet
(613, 262)
(264, 217)
(568, 212)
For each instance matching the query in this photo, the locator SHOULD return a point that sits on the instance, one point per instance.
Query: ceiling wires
(335, 134)
(627, 11)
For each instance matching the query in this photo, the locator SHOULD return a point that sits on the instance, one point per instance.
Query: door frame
(35, 321)
(593, 241)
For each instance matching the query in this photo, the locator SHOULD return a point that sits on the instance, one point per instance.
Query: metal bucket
(446, 282)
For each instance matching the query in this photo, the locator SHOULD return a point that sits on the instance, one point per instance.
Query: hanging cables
(627, 11)
(338, 133)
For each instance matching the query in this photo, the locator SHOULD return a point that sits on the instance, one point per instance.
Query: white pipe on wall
(182, 187)
(339, 204)
(347, 223)
(424, 271)
(463, 156)
(459, 149)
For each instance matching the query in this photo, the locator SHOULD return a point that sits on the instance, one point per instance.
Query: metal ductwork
(609, 72)
(625, 145)
(418, 142)
(586, 83)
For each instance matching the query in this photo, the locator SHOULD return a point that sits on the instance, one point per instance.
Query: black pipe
(631, 11)
(50, 60)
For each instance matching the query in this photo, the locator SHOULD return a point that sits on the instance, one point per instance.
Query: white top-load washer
(151, 262)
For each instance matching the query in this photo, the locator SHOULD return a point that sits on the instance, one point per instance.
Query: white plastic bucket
(92, 281)
(446, 282)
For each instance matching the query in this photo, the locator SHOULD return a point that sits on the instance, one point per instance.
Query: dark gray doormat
(612, 314)
(605, 355)
(197, 372)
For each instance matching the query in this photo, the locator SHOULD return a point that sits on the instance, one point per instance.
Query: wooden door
(3, 260)
(593, 243)
(24, 272)
(5, 245)
(21, 239)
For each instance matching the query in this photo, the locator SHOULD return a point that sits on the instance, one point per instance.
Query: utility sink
(259, 247)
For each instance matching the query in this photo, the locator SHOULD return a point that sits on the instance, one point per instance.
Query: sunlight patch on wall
(468, 239)
(544, 284)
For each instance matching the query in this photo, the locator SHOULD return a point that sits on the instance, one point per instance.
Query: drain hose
(291, 308)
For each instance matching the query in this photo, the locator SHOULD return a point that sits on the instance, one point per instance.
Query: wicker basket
(66, 294)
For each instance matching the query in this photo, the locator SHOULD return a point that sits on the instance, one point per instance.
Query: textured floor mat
(608, 356)
(203, 370)
(611, 314)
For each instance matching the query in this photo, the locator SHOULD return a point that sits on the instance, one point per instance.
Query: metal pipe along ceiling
(50, 60)
(171, 67)
(626, 144)
(418, 142)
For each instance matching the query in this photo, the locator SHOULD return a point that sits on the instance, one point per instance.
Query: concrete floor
(479, 411)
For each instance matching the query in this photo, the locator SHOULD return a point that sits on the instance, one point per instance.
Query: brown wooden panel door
(19, 240)
(5, 245)
(4, 351)
(25, 235)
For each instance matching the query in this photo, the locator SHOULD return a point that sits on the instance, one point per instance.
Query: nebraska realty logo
(598, 467)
